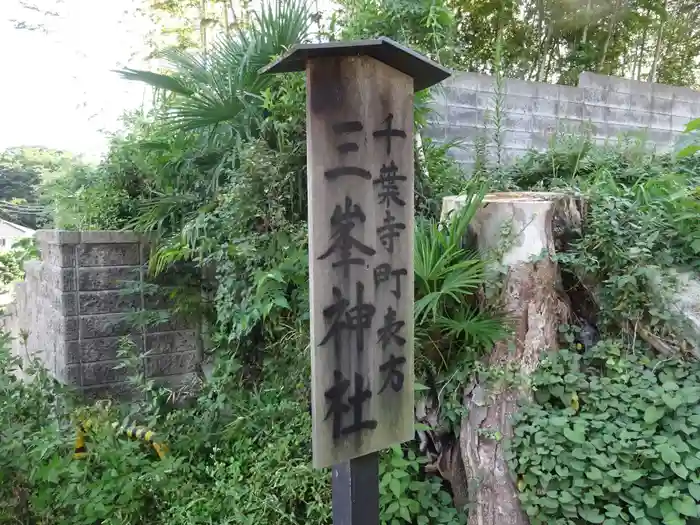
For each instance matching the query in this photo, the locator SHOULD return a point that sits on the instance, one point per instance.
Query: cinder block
(434, 132)
(640, 102)
(57, 237)
(596, 97)
(121, 391)
(109, 237)
(110, 278)
(566, 125)
(101, 349)
(544, 125)
(517, 140)
(663, 91)
(547, 91)
(683, 108)
(69, 374)
(57, 278)
(61, 255)
(109, 302)
(660, 138)
(640, 88)
(171, 342)
(679, 123)
(170, 323)
(108, 255)
(65, 303)
(686, 94)
(457, 96)
(661, 105)
(518, 122)
(616, 116)
(461, 116)
(484, 100)
(70, 328)
(463, 155)
(176, 381)
(639, 119)
(170, 364)
(660, 120)
(520, 104)
(542, 141)
(516, 86)
(471, 81)
(571, 94)
(460, 133)
(571, 110)
(618, 100)
(109, 325)
(103, 372)
(594, 113)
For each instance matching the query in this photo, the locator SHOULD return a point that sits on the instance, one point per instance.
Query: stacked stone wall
(79, 301)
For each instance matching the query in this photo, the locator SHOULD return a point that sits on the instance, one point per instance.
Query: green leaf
(594, 474)
(591, 515)
(668, 454)
(565, 497)
(695, 245)
(649, 500)
(632, 475)
(653, 413)
(692, 125)
(672, 402)
(689, 150)
(686, 506)
(561, 470)
(395, 487)
(612, 511)
(576, 435)
(680, 470)
(694, 490)
(666, 491)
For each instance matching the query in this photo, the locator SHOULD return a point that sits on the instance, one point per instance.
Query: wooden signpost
(360, 183)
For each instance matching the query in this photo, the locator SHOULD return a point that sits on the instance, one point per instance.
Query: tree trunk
(659, 41)
(533, 300)
(611, 30)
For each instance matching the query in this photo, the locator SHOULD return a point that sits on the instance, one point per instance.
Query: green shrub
(611, 437)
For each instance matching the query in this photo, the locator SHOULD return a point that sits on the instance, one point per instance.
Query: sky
(57, 88)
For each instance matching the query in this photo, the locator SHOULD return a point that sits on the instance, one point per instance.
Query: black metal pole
(356, 491)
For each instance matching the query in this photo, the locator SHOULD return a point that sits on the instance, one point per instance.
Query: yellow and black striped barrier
(131, 431)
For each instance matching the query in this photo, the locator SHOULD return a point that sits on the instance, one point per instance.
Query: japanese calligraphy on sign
(360, 155)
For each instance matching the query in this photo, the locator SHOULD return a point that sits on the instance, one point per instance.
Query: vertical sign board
(360, 183)
(360, 154)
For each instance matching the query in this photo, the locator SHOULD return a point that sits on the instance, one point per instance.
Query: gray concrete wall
(533, 113)
(76, 304)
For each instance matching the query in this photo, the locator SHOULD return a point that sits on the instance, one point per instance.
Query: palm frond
(223, 83)
(156, 80)
(473, 326)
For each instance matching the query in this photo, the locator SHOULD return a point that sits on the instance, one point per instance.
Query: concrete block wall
(78, 302)
(604, 107)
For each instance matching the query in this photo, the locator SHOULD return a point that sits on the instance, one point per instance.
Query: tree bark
(532, 299)
(659, 41)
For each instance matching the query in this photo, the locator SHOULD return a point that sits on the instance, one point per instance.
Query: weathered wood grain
(342, 91)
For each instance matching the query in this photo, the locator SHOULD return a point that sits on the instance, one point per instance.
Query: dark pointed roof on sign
(425, 72)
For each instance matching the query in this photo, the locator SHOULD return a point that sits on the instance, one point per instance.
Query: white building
(11, 233)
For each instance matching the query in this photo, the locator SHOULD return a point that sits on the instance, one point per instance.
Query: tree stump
(533, 302)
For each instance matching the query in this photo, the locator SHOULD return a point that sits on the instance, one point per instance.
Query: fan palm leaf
(222, 83)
